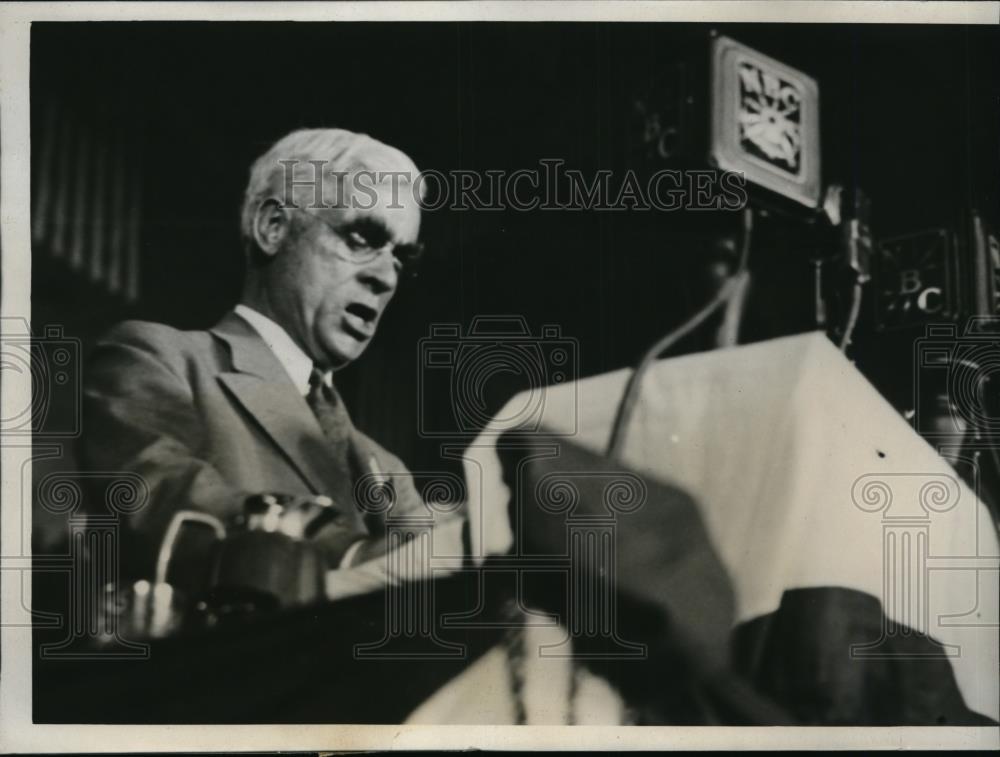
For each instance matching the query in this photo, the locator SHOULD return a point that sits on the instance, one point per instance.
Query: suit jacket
(208, 418)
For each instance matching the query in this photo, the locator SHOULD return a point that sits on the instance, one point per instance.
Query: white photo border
(19, 734)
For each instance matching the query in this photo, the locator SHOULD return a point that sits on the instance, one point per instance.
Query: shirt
(297, 364)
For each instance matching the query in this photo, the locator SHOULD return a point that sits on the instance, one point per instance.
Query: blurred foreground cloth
(591, 624)
(864, 571)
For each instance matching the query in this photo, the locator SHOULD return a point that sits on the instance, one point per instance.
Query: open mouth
(360, 319)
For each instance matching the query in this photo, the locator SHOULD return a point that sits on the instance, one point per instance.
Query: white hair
(338, 150)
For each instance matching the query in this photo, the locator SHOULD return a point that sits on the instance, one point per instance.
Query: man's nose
(381, 274)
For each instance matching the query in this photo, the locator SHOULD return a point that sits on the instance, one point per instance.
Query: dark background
(908, 113)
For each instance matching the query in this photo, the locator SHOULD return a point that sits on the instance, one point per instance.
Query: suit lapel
(260, 384)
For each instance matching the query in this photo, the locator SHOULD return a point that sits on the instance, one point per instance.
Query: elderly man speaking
(214, 419)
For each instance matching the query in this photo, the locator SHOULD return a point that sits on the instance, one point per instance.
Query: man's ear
(270, 226)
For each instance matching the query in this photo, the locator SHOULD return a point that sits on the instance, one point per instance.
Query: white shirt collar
(296, 363)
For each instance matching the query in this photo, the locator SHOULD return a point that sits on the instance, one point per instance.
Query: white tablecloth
(793, 458)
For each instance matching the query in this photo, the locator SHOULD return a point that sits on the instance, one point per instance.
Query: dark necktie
(336, 424)
(330, 412)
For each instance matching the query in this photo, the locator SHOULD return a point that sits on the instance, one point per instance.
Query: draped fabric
(864, 570)
(87, 195)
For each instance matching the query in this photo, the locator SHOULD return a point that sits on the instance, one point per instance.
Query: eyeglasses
(365, 239)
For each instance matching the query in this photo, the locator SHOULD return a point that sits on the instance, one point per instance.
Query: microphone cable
(626, 406)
